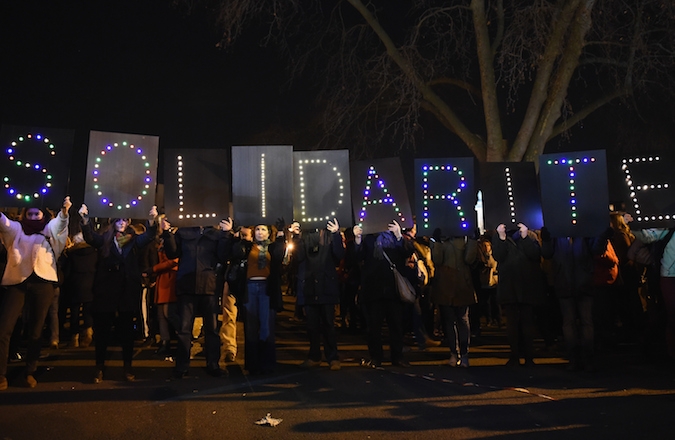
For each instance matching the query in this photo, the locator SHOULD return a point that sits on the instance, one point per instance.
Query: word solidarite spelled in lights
(302, 164)
(97, 171)
(11, 156)
(645, 187)
(453, 197)
(571, 163)
(181, 202)
(367, 201)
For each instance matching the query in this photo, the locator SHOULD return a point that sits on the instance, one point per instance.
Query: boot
(74, 341)
(86, 339)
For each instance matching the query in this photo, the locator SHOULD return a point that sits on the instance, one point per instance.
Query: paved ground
(626, 398)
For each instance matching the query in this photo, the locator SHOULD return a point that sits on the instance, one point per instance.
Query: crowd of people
(121, 282)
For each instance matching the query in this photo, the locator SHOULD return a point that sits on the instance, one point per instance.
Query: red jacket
(166, 270)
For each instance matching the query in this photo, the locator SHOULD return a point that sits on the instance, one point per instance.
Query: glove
(280, 224)
(545, 234)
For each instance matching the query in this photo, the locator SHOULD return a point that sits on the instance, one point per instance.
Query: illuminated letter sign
(196, 186)
(510, 194)
(379, 195)
(574, 193)
(35, 166)
(445, 196)
(121, 174)
(650, 197)
(262, 184)
(322, 188)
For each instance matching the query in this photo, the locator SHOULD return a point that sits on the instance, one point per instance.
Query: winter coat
(319, 253)
(165, 272)
(79, 267)
(519, 265)
(378, 279)
(34, 253)
(572, 267)
(201, 253)
(276, 249)
(667, 266)
(118, 282)
(452, 284)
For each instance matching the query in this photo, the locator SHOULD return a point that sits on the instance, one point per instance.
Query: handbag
(405, 289)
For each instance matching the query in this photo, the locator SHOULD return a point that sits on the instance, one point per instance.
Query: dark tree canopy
(505, 77)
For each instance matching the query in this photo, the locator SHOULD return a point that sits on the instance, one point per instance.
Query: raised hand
(333, 226)
(501, 231)
(395, 228)
(523, 230)
(226, 224)
(358, 234)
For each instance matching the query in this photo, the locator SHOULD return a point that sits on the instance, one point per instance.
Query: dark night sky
(133, 67)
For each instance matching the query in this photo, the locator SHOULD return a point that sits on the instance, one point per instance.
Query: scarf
(122, 239)
(262, 254)
(31, 227)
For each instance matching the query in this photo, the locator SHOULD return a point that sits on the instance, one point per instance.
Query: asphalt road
(627, 397)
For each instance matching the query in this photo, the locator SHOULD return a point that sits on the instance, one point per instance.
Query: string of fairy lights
(180, 180)
(452, 197)
(96, 173)
(634, 189)
(572, 174)
(373, 179)
(11, 151)
(302, 165)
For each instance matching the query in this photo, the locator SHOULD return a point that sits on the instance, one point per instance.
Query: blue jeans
(456, 327)
(259, 350)
(207, 307)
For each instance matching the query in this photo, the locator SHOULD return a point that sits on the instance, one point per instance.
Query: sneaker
(454, 360)
(3, 383)
(464, 362)
(335, 365)
(30, 381)
(308, 363)
(230, 357)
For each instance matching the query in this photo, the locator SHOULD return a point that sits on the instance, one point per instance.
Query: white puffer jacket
(32, 253)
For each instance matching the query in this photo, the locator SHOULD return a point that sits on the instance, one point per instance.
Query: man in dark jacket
(202, 252)
(319, 253)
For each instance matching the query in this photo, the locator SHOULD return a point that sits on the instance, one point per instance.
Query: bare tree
(504, 77)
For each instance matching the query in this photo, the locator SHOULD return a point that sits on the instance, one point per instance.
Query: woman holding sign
(117, 285)
(34, 244)
(262, 298)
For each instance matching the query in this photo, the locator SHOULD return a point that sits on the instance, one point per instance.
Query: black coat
(117, 284)
(202, 254)
(79, 268)
(572, 266)
(519, 266)
(318, 253)
(378, 279)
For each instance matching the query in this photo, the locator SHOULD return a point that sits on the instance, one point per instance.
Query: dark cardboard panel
(262, 184)
(322, 188)
(196, 186)
(121, 174)
(574, 193)
(445, 196)
(379, 195)
(35, 166)
(510, 194)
